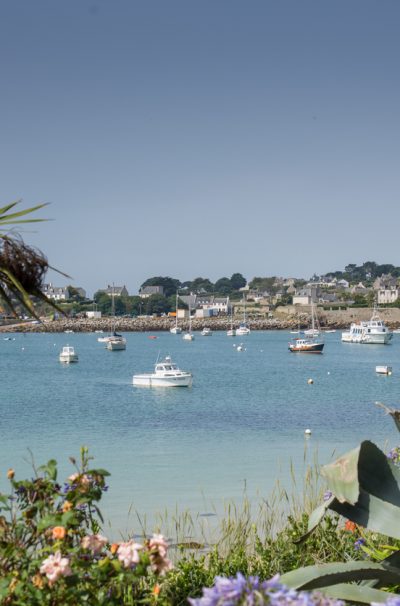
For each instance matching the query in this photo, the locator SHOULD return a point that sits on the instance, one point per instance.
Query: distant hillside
(367, 272)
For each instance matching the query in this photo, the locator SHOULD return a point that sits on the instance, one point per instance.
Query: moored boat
(68, 355)
(166, 374)
(306, 346)
(372, 332)
(206, 332)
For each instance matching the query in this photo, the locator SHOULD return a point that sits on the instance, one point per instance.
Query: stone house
(146, 291)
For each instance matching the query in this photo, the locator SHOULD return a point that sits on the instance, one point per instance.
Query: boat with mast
(310, 344)
(176, 330)
(115, 341)
(243, 327)
(232, 331)
(189, 336)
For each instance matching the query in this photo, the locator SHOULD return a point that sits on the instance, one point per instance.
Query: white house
(57, 293)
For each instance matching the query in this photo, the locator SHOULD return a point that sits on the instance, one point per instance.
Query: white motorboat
(206, 332)
(166, 374)
(68, 355)
(373, 332)
(383, 370)
(116, 342)
(176, 330)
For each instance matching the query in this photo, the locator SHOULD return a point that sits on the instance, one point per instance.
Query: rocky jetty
(332, 319)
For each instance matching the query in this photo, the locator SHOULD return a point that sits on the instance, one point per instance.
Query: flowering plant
(52, 550)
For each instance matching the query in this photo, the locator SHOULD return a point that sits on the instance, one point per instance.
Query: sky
(184, 139)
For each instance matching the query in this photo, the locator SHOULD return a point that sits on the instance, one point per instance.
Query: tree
(199, 284)
(157, 304)
(170, 285)
(238, 281)
(223, 286)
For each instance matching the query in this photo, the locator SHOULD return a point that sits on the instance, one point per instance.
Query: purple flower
(327, 495)
(358, 544)
(239, 591)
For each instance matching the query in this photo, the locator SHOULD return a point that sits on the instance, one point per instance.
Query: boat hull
(313, 348)
(68, 359)
(117, 345)
(175, 330)
(184, 380)
(367, 339)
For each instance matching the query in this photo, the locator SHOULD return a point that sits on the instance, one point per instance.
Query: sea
(237, 431)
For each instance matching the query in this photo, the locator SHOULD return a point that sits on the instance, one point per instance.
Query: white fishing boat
(68, 355)
(372, 332)
(206, 332)
(176, 330)
(166, 374)
(383, 370)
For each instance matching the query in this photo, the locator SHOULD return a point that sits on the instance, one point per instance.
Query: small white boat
(330, 330)
(206, 332)
(116, 343)
(312, 332)
(231, 332)
(240, 347)
(396, 331)
(68, 331)
(176, 330)
(189, 336)
(383, 370)
(68, 355)
(166, 374)
(243, 329)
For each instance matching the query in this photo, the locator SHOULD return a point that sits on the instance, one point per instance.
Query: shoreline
(282, 320)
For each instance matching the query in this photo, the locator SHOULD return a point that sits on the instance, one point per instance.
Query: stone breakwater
(333, 319)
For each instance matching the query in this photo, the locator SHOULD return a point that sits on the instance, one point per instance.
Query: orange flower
(156, 590)
(58, 532)
(10, 474)
(67, 506)
(350, 526)
(38, 581)
(114, 548)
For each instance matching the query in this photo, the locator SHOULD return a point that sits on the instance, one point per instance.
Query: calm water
(239, 426)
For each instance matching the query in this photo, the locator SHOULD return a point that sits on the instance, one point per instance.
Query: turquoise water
(238, 427)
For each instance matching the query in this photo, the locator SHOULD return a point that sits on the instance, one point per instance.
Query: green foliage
(51, 551)
(365, 488)
(170, 285)
(238, 281)
(223, 286)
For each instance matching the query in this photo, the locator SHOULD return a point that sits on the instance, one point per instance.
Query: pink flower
(158, 546)
(128, 553)
(159, 543)
(55, 566)
(94, 542)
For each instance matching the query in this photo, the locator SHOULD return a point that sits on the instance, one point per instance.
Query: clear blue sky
(188, 139)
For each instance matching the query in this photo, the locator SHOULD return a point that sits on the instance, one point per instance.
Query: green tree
(170, 285)
(223, 286)
(199, 284)
(157, 304)
(238, 281)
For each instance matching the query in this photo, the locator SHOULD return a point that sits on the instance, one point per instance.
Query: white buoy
(310, 381)
(329, 372)
(307, 432)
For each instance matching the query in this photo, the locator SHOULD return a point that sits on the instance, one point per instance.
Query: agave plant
(365, 488)
(22, 267)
